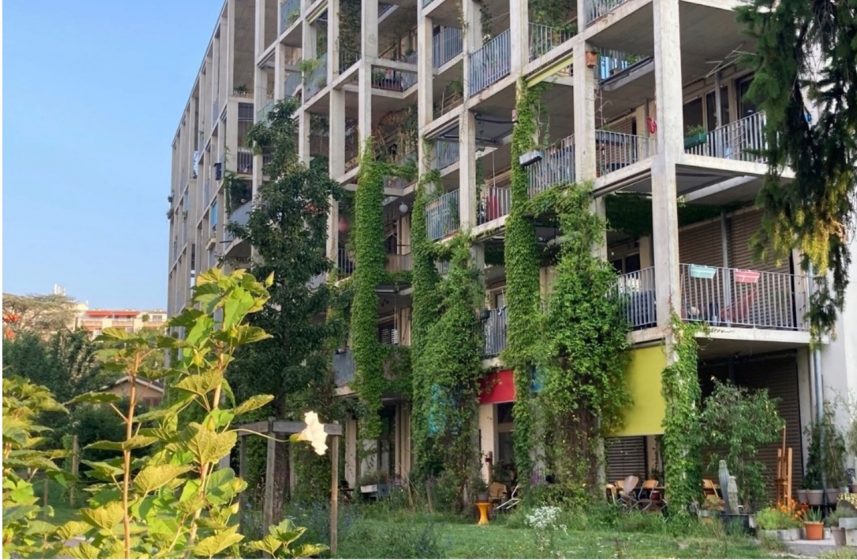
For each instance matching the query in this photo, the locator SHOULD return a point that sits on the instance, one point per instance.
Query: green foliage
(682, 438)
(772, 518)
(24, 534)
(584, 349)
(43, 314)
(737, 423)
(826, 460)
(280, 542)
(631, 213)
(815, 212)
(522, 282)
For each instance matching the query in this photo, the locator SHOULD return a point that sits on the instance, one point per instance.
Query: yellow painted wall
(643, 376)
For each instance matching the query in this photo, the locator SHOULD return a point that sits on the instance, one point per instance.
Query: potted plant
(694, 136)
(801, 494)
(837, 532)
(777, 523)
(812, 481)
(833, 453)
(241, 90)
(813, 527)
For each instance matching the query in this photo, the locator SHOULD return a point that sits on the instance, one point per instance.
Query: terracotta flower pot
(814, 497)
(814, 530)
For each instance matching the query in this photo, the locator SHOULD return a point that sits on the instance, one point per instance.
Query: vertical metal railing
(494, 203)
(494, 330)
(595, 9)
(399, 262)
(262, 114)
(442, 216)
(615, 150)
(239, 216)
(345, 263)
(244, 161)
(491, 63)
(612, 61)
(735, 297)
(555, 168)
(291, 83)
(347, 58)
(743, 139)
(543, 38)
(446, 45)
(390, 79)
(445, 153)
(317, 79)
(289, 12)
(637, 289)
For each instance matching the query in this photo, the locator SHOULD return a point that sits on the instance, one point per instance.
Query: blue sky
(93, 91)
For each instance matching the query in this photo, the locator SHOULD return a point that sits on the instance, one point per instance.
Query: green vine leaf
(153, 477)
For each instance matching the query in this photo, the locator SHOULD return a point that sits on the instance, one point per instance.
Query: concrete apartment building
(641, 96)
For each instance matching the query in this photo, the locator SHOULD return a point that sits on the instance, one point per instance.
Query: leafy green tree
(806, 56)
(737, 422)
(41, 313)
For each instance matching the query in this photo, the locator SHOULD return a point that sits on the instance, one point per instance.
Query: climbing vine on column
(522, 281)
(682, 440)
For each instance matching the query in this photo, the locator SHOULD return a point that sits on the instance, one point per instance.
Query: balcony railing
(262, 114)
(290, 10)
(638, 291)
(343, 367)
(555, 168)
(495, 203)
(442, 216)
(445, 153)
(291, 83)
(595, 9)
(347, 59)
(446, 45)
(735, 297)
(491, 63)
(399, 262)
(345, 263)
(743, 139)
(244, 161)
(317, 79)
(543, 38)
(494, 329)
(615, 150)
(239, 216)
(389, 79)
(611, 62)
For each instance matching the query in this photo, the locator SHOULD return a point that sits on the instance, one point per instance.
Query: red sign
(497, 387)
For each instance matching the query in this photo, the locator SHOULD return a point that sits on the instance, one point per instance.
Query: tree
(805, 59)
(42, 314)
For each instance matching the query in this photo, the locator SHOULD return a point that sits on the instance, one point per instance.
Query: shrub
(772, 518)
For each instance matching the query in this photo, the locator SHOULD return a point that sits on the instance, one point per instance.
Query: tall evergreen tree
(806, 82)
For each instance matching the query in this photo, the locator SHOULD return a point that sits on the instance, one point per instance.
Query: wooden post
(334, 493)
(242, 468)
(75, 469)
(270, 475)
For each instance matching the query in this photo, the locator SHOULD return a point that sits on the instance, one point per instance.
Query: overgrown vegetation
(805, 56)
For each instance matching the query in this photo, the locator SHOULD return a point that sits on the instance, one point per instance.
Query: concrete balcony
(442, 216)
(544, 38)
(616, 150)
(345, 264)
(555, 168)
(494, 330)
(491, 63)
(316, 80)
(446, 153)
(290, 11)
(494, 203)
(741, 140)
(446, 45)
(596, 9)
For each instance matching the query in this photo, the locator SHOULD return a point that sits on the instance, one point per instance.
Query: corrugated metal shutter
(701, 245)
(779, 376)
(742, 228)
(626, 456)
(624, 125)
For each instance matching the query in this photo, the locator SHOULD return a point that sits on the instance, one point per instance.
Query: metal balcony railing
(446, 45)
(735, 297)
(495, 203)
(239, 216)
(637, 289)
(262, 114)
(399, 262)
(317, 79)
(612, 61)
(442, 216)
(347, 59)
(291, 83)
(615, 150)
(383, 8)
(491, 63)
(743, 139)
(494, 329)
(393, 80)
(290, 10)
(244, 161)
(345, 263)
(445, 153)
(343, 367)
(594, 9)
(543, 38)
(555, 168)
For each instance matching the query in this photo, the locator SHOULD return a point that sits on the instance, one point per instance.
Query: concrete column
(425, 74)
(351, 452)
(467, 170)
(584, 117)
(368, 54)
(279, 71)
(520, 35)
(303, 135)
(230, 51)
(336, 167)
(472, 38)
(670, 143)
(260, 29)
(488, 433)
(332, 40)
(229, 136)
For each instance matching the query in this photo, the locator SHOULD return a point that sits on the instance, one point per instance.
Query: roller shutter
(742, 228)
(626, 456)
(701, 244)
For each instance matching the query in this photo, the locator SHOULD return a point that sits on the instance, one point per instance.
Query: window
(745, 106)
(711, 109)
(212, 216)
(693, 113)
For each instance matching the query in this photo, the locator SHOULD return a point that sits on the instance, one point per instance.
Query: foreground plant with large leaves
(166, 495)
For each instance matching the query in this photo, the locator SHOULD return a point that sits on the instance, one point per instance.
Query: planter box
(793, 534)
(832, 495)
(801, 496)
(814, 497)
(743, 276)
(702, 271)
(695, 139)
(771, 533)
(838, 536)
(848, 522)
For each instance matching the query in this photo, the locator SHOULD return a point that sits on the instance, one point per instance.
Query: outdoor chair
(628, 496)
(513, 500)
(497, 492)
(648, 498)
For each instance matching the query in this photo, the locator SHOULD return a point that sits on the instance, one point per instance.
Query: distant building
(149, 393)
(132, 320)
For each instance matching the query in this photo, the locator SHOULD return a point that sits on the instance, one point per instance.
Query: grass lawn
(413, 538)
